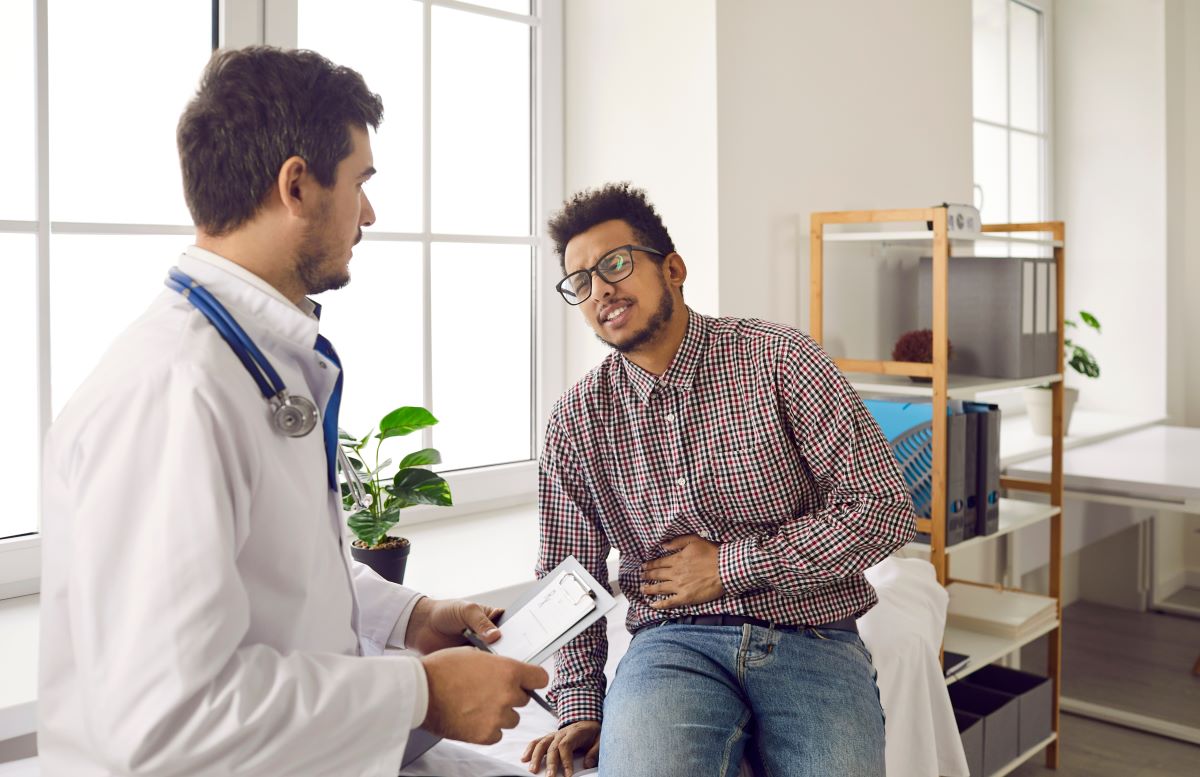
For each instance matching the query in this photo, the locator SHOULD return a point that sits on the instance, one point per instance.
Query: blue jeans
(690, 701)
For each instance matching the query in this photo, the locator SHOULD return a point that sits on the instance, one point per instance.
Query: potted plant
(1039, 400)
(374, 493)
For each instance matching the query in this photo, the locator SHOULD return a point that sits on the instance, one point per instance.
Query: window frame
(1044, 9)
(247, 22)
(1012, 402)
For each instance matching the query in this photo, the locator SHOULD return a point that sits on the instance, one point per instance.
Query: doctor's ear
(292, 184)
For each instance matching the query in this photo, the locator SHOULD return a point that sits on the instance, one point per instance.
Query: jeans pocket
(845, 638)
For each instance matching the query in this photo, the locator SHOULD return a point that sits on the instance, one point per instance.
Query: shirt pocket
(753, 486)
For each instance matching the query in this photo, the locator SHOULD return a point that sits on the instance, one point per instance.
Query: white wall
(1110, 174)
(832, 106)
(640, 105)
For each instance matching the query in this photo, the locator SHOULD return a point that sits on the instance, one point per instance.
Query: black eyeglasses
(614, 266)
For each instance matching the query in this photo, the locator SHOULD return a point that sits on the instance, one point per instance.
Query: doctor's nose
(367, 217)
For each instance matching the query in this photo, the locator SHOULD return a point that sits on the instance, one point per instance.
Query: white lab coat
(198, 616)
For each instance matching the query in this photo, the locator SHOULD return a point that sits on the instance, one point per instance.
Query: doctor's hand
(472, 694)
(690, 575)
(559, 748)
(438, 623)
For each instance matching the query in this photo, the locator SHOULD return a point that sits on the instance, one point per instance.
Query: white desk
(1158, 468)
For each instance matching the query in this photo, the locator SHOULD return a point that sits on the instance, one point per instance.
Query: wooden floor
(1094, 749)
(1135, 661)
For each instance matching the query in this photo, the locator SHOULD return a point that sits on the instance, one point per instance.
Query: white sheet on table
(903, 633)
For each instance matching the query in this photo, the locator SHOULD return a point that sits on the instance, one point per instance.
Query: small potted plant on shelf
(917, 346)
(1039, 399)
(374, 493)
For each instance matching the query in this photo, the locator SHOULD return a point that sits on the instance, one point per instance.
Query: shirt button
(670, 416)
(681, 482)
(321, 364)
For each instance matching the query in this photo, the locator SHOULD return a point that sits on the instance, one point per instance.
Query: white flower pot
(1039, 404)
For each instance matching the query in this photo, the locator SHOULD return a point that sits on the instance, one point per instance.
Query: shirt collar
(682, 370)
(255, 303)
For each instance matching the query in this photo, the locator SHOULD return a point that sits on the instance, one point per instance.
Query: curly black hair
(612, 201)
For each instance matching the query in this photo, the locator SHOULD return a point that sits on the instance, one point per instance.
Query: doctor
(200, 615)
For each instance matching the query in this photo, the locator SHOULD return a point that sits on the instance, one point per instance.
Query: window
(445, 309)
(1010, 98)
(85, 228)
(445, 282)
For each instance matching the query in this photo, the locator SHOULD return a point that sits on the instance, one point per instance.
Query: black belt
(844, 624)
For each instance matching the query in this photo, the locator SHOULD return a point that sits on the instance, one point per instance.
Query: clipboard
(544, 606)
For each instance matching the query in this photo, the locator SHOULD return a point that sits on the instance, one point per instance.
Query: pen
(470, 636)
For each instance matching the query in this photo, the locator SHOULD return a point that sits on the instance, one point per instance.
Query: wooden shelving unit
(892, 377)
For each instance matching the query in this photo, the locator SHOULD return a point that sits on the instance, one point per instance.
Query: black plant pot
(389, 563)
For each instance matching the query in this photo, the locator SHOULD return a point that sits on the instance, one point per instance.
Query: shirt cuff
(738, 564)
(419, 684)
(396, 639)
(576, 704)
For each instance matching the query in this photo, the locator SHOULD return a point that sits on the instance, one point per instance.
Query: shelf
(984, 649)
(958, 386)
(924, 235)
(1015, 514)
(1023, 757)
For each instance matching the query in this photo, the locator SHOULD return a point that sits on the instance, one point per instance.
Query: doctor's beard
(317, 262)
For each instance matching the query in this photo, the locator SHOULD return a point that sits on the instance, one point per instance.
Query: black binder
(987, 476)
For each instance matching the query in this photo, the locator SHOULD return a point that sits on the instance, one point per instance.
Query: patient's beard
(653, 327)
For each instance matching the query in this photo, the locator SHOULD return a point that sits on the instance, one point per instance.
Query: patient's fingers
(658, 588)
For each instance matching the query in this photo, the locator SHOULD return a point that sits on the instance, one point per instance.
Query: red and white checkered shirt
(752, 439)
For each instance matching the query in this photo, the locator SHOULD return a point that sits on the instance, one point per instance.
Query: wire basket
(913, 450)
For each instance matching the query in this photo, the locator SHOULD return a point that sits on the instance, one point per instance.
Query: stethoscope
(291, 415)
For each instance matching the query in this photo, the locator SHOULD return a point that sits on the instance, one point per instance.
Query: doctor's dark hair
(255, 108)
(612, 201)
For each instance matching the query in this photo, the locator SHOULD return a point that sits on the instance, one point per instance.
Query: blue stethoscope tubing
(294, 416)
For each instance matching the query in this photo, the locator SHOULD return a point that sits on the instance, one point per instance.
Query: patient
(746, 489)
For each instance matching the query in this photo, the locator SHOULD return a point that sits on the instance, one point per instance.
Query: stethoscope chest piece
(292, 415)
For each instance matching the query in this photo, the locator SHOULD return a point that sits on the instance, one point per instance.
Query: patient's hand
(690, 575)
(559, 748)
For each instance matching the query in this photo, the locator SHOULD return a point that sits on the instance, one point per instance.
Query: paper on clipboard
(559, 607)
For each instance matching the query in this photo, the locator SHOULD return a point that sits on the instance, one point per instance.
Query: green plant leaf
(404, 420)
(344, 435)
(421, 458)
(420, 486)
(1084, 363)
(372, 529)
(1090, 320)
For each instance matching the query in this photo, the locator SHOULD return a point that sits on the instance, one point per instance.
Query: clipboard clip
(575, 588)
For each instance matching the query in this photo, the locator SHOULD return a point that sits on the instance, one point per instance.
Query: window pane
(480, 124)
(988, 61)
(116, 93)
(991, 172)
(482, 338)
(512, 6)
(1026, 177)
(387, 52)
(375, 324)
(19, 471)
(98, 286)
(18, 95)
(1024, 55)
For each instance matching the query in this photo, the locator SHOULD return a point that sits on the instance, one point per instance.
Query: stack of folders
(1008, 614)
